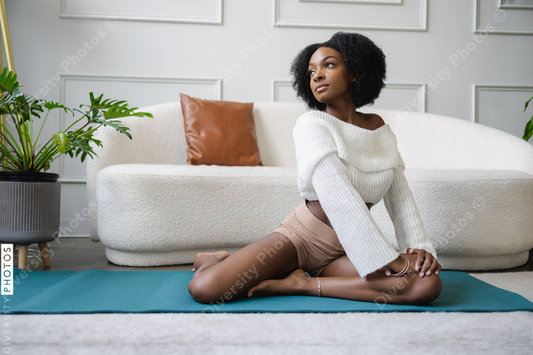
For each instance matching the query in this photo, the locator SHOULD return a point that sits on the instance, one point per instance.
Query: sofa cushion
(219, 132)
(163, 207)
(475, 218)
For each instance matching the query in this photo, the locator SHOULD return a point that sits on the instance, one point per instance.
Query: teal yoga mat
(99, 291)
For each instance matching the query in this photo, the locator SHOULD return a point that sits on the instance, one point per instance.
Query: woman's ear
(354, 77)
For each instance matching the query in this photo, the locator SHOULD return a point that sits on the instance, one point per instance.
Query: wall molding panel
(394, 96)
(372, 2)
(282, 91)
(198, 11)
(504, 17)
(417, 96)
(525, 92)
(138, 91)
(516, 4)
(407, 15)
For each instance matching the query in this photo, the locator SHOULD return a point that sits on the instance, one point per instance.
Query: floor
(441, 333)
(74, 253)
(77, 253)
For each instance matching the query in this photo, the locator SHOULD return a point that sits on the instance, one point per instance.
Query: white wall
(149, 51)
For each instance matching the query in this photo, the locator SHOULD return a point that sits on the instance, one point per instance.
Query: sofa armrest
(160, 140)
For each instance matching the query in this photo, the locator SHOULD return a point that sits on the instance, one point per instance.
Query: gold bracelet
(403, 271)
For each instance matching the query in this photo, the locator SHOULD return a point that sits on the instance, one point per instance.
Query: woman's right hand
(425, 262)
(419, 261)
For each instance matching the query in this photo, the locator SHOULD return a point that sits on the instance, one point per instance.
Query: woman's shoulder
(372, 120)
(313, 119)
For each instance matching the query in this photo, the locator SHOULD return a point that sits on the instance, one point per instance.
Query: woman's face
(330, 79)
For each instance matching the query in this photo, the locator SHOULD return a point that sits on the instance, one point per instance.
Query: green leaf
(80, 111)
(84, 148)
(8, 98)
(50, 105)
(114, 108)
(62, 141)
(116, 124)
(28, 106)
(528, 131)
(104, 105)
(97, 142)
(8, 81)
(527, 103)
(124, 111)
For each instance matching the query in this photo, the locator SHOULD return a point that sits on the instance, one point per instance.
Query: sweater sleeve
(364, 243)
(402, 209)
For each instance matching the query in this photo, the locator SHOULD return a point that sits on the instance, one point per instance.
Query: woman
(347, 161)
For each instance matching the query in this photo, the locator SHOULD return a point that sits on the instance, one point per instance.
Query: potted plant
(29, 196)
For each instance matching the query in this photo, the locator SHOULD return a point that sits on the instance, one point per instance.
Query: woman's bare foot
(201, 258)
(297, 283)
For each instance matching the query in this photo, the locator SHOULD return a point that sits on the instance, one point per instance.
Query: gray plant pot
(29, 207)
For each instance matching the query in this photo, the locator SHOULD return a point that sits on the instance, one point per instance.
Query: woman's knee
(202, 289)
(425, 290)
(273, 256)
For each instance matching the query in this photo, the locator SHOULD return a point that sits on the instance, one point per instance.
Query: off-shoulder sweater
(344, 167)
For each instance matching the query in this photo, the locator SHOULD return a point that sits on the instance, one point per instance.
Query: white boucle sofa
(473, 186)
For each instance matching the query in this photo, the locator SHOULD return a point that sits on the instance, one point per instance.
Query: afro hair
(363, 59)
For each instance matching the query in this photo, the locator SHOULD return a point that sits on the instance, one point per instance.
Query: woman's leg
(221, 278)
(340, 279)
(204, 260)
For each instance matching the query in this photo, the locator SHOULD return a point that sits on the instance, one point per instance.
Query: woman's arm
(364, 243)
(401, 207)
(409, 228)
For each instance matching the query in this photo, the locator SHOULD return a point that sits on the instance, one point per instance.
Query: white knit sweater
(345, 166)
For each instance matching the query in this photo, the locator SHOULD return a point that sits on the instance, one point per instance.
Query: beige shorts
(316, 243)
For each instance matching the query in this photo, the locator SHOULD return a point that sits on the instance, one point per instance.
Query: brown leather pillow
(219, 132)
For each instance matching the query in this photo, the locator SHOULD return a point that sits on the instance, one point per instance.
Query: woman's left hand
(425, 262)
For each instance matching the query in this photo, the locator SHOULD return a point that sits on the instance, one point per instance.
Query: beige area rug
(305, 333)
